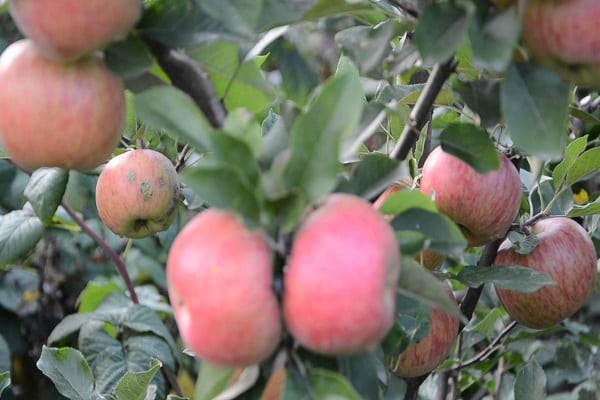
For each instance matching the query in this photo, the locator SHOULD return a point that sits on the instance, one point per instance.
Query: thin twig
(107, 249)
(489, 349)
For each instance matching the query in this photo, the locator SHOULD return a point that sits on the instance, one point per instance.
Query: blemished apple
(566, 253)
(564, 35)
(426, 355)
(56, 115)
(341, 278)
(137, 193)
(427, 258)
(220, 278)
(67, 29)
(483, 205)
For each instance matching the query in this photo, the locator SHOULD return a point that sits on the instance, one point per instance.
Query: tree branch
(189, 77)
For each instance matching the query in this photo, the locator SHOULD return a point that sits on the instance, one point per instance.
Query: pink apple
(137, 193)
(68, 29)
(564, 35)
(340, 281)
(219, 275)
(432, 350)
(55, 115)
(566, 253)
(484, 205)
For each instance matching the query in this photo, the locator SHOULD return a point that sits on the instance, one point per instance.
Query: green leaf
(440, 30)
(20, 230)
(5, 381)
(135, 385)
(442, 233)
(372, 175)
(585, 165)
(128, 57)
(142, 319)
(487, 325)
(45, 191)
(5, 356)
(241, 125)
(404, 200)
(420, 284)
(211, 381)
(513, 277)
(324, 385)
(165, 107)
(362, 370)
(582, 211)
(175, 397)
(93, 294)
(531, 382)
(316, 136)
(68, 370)
(471, 144)
(16, 286)
(524, 244)
(572, 152)
(535, 105)
(483, 97)
(493, 40)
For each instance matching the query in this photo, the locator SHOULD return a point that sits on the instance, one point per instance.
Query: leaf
(20, 230)
(128, 57)
(142, 319)
(471, 144)
(440, 30)
(404, 200)
(513, 277)
(524, 244)
(487, 325)
(5, 356)
(494, 40)
(324, 385)
(573, 150)
(316, 135)
(5, 381)
(372, 175)
(45, 191)
(585, 165)
(165, 107)
(135, 385)
(246, 379)
(582, 211)
(211, 381)
(535, 105)
(68, 370)
(361, 370)
(93, 294)
(420, 284)
(442, 233)
(483, 97)
(19, 291)
(531, 382)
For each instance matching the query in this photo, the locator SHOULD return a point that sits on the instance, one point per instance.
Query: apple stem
(107, 249)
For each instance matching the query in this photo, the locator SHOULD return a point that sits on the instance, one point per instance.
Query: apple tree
(283, 199)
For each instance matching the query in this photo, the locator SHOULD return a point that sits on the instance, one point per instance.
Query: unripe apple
(67, 29)
(483, 205)
(137, 193)
(340, 281)
(566, 253)
(432, 350)
(56, 115)
(427, 258)
(564, 35)
(219, 276)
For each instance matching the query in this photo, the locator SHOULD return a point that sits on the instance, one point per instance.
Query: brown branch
(189, 77)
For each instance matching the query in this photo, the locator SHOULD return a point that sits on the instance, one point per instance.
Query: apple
(483, 205)
(427, 258)
(566, 253)
(55, 115)
(340, 281)
(67, 29)
(137, 193)
(219, 279)
(564, 35)
(424, 356)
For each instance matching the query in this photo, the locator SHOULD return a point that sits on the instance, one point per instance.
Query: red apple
(432, 350)
(67, 29)
(55, 115)
(564, 35)
(427, 258)
(484, 205)
(566, 253)
(137, 193)
(340, 281)
(219, 275)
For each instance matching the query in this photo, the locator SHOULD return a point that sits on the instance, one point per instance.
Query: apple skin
(566, 253)
(432, 350)
(55, 115)
(341, 278)
(564, 36)
(219, 277)
(65, 30)
(483, 205)
(427, 258)
(137, 193)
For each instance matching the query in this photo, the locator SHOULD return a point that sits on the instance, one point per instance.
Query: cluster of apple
(55, 88)
(485, 206)
(339, 284)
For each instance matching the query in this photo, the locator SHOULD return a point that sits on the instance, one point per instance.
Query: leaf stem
(107, 249)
